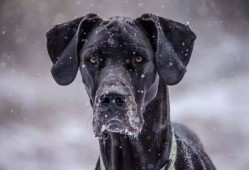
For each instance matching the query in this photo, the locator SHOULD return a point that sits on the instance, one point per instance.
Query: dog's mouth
(115, 108)
(123, 119)
(102, 125)
(114, 125)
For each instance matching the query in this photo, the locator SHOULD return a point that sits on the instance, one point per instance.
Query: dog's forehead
(117, 32)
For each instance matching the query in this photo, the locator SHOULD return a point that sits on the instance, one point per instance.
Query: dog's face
(121, 61)
(118, 70)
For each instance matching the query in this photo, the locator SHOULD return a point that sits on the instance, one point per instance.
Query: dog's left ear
(64, 42)
(173, 43)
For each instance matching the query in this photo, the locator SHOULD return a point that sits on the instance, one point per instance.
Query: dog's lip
(115, 125)
(115, 121)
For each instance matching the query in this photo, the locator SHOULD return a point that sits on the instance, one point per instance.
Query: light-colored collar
(172, 156)
(173, 152)
(102, 165)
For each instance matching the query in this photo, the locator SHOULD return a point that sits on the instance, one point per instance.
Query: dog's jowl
(126, 65)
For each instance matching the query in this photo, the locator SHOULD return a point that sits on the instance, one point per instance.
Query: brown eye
(93, 60)
(139, 59)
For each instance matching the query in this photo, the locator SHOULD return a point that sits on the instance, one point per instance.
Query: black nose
(112, 99)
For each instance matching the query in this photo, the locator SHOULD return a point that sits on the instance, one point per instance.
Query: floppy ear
(63, 42)
(173, 43)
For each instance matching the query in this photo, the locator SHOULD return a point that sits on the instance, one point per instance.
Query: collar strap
(169, 165)
(172, 156)
(102, 165)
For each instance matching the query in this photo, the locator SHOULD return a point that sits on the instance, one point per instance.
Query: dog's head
(121, 61)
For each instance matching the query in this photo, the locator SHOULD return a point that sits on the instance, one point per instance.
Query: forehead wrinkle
(120, 32)
(117, 26)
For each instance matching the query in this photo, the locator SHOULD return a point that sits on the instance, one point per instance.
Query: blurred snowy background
(46, 126)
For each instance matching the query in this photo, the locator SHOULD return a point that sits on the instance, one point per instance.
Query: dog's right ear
(63, 42)
(173, 43)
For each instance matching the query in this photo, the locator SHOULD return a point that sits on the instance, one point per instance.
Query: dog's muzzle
(115, 110)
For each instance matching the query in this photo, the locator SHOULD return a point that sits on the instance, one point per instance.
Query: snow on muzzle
(115, 110)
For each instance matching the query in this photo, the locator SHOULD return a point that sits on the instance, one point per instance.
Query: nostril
(112, 98)
(105, 100)
(120, 100)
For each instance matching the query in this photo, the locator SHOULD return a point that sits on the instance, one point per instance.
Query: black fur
(126, 65)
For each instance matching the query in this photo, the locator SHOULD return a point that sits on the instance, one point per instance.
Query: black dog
(126, 66)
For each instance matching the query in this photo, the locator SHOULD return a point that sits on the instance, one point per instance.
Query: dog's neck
(150, 149)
